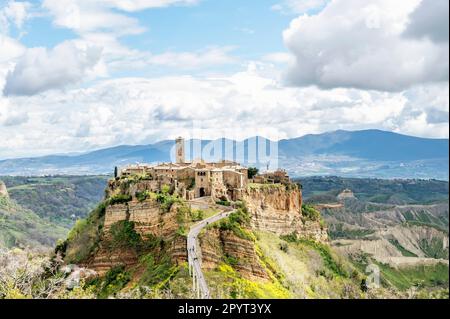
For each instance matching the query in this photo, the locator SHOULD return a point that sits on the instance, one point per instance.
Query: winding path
(195, 267)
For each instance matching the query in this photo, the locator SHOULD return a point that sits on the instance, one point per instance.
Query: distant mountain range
(368, 153)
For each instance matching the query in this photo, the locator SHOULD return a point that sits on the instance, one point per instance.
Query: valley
(399, 225)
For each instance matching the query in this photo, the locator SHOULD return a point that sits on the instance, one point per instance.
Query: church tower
(180, 150)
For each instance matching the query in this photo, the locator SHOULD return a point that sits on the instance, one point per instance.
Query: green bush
(310, 213)
(84, 238)
(119, 199)
(236, 222)
(157, 272)
(167, 201)
(223, 203)
(124, 235)
(230, 260)
(114, 281)
(142, 196)
(252, 172)
(198, 215)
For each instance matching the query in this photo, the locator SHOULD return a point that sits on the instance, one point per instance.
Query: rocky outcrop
(149, 220)
(218, 246)
(3, 189)
(147, 217)
(277, 209)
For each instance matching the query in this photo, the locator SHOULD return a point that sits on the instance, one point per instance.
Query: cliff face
(149, 221)
(219, 245)
(273, 208)
(278, 210)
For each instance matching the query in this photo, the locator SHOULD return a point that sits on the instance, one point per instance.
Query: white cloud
(192, 60)
(360, 44)
(13, 12)
(247, 103)
(279, 57)
(137, 5)
(87, 16)
(299, 6)
(9, 49)
(40, 69)
(430, 20)
(9, 117)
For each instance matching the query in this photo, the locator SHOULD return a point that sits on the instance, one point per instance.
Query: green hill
(21, 227)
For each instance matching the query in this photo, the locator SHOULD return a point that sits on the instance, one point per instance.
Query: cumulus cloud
(137, 5)
(361, 44)
(10, 49)
(247, 103)
(40, 69)
(9, 117)
(430, 20)
(85, 16)
(88, 16)
(192, 60)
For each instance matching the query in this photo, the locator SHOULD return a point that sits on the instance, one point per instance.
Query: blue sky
(250, 25)
(82, 75)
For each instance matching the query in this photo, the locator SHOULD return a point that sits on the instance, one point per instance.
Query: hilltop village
(224, 180)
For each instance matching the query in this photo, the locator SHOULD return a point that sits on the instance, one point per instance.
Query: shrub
(124, 235)
(165, 189)
(310, 213)
(142, 196)
(230, 260)
(157, 272)
(83, 239)
(119, 199)
(114, 281)
(198, 215)
(167, 201)
(223, 203)
(252, 172)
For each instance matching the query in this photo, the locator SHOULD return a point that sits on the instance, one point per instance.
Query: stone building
(223, 180)
(277, 177)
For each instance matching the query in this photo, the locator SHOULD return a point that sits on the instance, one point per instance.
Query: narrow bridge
(195, 268)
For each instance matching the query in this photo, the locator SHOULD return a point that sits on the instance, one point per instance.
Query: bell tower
(180, 150)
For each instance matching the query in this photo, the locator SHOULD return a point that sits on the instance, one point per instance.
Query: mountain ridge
(336, 151)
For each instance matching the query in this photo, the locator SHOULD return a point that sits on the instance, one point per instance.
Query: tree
(252, 172)
(115, 172)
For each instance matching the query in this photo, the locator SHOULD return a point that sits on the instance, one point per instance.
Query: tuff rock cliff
(134, 222)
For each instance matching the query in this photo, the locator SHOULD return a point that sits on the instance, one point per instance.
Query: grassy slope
(60, 199)
(22, 227)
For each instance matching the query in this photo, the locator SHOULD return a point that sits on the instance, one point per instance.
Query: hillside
(60, 199)
(320, 189)
(137, 245)
(21, 227)
(400, 226)
(252, 254)
(369, 153)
